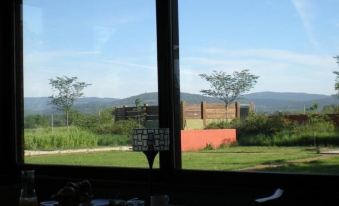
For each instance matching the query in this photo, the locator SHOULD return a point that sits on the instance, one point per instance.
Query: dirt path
(273, 165)
(103, 149)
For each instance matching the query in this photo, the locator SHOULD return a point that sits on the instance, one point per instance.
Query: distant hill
(286, 96)
(40, 105)
(267, 102)
(270, 102)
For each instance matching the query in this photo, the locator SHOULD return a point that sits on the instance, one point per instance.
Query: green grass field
(236, 158)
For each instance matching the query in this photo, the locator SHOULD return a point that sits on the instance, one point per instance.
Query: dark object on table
(117, 203)
(273, 200)
(74, 193)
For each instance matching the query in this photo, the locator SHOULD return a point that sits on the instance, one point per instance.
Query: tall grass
(114, 140)
(59, 138)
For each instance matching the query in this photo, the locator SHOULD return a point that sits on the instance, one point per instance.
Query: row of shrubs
(276, 130)
(70, 138)
(86, 130)
(99, 123)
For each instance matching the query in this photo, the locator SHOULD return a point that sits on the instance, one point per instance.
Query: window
(169, 108)
(90, 77)
(285, 120)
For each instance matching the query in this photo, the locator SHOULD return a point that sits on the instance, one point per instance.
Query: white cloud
(102, 35)
(109, 77)
(279, 70)
(306, 13)
(133, 65)
(274, 54)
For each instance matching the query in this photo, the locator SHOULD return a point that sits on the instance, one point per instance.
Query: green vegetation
(241, 158)
(76, 137)
(321, 166)
(87, 130)
(59, 138)
(113, 158)
(276, 130)
(35, 121)
(113, 140)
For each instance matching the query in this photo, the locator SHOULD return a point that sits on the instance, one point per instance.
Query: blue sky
(111, 44)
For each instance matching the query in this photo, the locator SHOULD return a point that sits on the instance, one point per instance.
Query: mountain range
(265, 102)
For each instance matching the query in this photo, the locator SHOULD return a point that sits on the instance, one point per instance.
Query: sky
(111, 44)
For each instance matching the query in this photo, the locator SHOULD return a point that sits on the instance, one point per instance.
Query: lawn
(111, 158)
(323, 166)
(229, 158)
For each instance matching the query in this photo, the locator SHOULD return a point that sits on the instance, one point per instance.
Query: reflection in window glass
(90, 78)
(259, 85)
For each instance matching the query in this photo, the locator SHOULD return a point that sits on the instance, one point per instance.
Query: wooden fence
(193, 116)
(207, 112)
(146, 112)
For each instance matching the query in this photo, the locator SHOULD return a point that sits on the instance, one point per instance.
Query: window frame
(165, 22)
(11, 145)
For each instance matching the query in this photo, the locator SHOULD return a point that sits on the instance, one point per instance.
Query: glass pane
(90, 78)
(259, 87)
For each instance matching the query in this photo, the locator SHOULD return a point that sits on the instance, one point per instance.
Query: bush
(114, 140)
(262, 124)
(35, 121)
(125, 127)
(276, 131)
(221, 125)
(103, 124)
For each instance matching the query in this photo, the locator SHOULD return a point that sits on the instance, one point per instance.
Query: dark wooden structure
(203, 111)
(144, 112)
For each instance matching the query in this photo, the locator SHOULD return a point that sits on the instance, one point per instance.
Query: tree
(65, 91)
(312, 109)
(336, 85)
(138, 103)
(337, 58)
(228, 87)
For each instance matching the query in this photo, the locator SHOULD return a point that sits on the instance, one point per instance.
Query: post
(125, 112)
(52, 122)
(237, 110)
(252, 107)
(145, 113)
(203, 113)
(182, 115)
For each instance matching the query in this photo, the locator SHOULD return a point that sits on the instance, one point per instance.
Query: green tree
(140, 113)
(228, 87)
(65, 91)
(330, 109)
(312, 109)
(35, 121)
(337, 58)
(336, 85)
(138, 102)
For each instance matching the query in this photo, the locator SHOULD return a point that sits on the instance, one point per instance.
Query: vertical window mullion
(168, 79)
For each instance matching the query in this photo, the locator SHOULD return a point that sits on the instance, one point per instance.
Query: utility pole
(52, 122)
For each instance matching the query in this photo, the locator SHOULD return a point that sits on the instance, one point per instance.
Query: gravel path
(101, 149)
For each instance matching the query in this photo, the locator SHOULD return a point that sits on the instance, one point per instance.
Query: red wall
(192, 140)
